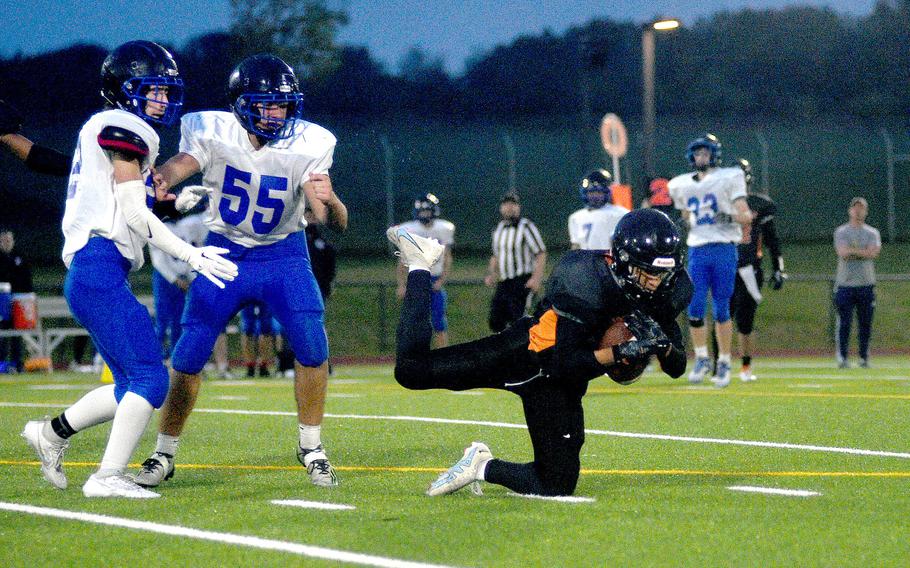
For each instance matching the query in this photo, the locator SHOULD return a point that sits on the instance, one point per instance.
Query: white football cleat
(723, 375)
(115, 486)
(463, 472)
(746, 375)
(316, 462)
(155, 470)
(49, 453)
(700, 370)
(416, 252)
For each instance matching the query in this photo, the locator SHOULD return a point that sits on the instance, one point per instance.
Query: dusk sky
(451, 29)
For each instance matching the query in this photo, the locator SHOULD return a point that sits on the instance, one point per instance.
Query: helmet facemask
(139, 92)
(249, 109)
(641, 281)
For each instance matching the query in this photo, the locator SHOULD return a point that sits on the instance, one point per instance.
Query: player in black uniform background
(548, 359)
(750, 278)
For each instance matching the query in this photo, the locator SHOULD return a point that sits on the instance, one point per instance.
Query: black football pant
(509, 302)
(553, 412)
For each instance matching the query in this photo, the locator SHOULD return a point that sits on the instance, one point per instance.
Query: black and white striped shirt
(515, 246)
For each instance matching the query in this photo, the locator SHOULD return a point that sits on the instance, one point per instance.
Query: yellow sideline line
(644, 472)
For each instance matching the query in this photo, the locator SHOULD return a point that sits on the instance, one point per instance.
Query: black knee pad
(696, 323)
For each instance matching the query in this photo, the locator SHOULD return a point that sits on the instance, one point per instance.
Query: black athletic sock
(414, 331)
(747, 360)
(62, 427)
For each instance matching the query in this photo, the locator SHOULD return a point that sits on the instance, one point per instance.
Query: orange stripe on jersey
(543, 334)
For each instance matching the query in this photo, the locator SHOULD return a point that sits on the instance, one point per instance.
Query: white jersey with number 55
(710, 204)
(257, 195)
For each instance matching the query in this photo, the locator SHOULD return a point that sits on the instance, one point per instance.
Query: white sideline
(774, 491)
(638, 435)
(226, 538)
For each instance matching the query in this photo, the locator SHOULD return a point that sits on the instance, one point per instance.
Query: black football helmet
(747, 170)
(263, 80)
(426, 208)
(132, 70)
(646, 240)
(596, 181)
(710, 142)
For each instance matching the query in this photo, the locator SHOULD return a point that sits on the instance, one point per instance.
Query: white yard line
(312, 505)
(559, 499)
(612, 433)
(774, 491)
(225, 538)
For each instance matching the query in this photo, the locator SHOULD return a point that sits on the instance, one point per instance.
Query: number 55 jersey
(710, 204)
(257, 195)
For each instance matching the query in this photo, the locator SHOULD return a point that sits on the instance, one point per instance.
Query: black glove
(10, 119)
(777, 279)
(638, 350)
(643, 327)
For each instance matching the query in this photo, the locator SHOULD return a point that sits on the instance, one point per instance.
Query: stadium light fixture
(647, 79)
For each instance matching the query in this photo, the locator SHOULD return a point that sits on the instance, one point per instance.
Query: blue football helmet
(595, 189)
(135, 68)
(265, 80)
(426, 208)
(710, 142)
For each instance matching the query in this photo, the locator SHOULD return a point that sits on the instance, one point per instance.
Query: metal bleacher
(55, 322)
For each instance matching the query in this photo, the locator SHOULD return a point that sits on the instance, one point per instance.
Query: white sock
(724, 358)
(167, 444)
(96, 407)
(132, 417)
(309, 436)
(701, 352)
(417, 266)
(482, 471)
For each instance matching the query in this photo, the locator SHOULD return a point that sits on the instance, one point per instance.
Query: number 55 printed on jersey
(235, 200)
(705, 210)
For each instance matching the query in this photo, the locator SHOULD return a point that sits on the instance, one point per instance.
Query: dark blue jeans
(861, 299)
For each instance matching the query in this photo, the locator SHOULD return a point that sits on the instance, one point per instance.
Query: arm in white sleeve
(131, 197)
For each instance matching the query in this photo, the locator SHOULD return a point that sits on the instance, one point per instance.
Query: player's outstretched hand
(190, 196)
(10, 119)
(777, 280)
(208, 262)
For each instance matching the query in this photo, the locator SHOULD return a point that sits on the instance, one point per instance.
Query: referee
(516, 266)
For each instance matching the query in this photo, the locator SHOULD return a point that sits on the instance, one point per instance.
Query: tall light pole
(647, 91)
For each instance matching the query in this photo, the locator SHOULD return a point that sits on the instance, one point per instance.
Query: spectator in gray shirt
(857, 245)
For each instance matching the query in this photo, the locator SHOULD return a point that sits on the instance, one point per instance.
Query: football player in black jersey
(548, 359)
(761, 235)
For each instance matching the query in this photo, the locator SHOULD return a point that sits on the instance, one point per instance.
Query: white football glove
(208, 262)
(190, 196)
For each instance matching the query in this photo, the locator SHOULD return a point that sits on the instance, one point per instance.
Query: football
(622, 373)
(617, 333)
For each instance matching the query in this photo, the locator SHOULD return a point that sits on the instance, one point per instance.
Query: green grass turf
(656, 502)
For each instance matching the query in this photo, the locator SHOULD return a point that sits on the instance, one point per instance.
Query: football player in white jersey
(713, 203)
(263, 166)
(426, 223)
(106, 225)
(591, 228)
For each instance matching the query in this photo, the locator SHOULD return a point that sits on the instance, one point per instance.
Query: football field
(808, 466)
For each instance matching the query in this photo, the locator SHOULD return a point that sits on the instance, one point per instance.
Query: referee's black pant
(509, 302)
(553, 412)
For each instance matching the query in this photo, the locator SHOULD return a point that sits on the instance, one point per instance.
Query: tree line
(794, 62)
